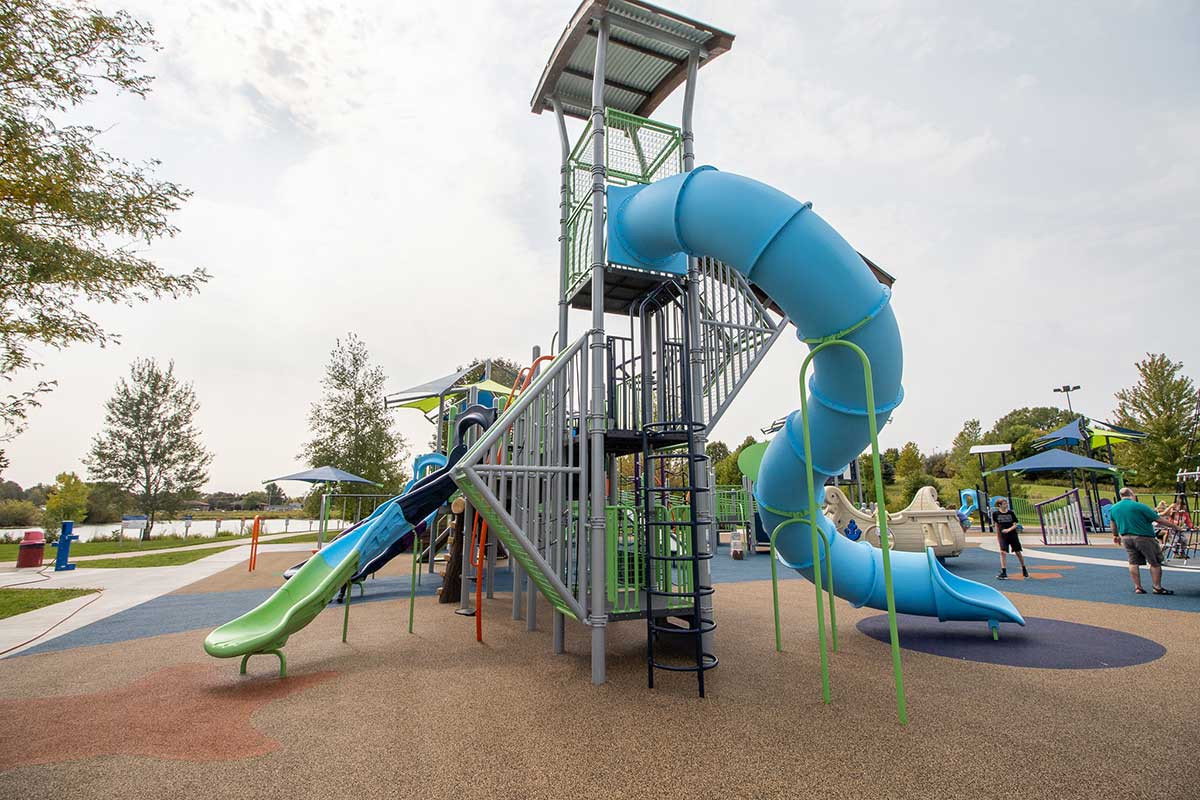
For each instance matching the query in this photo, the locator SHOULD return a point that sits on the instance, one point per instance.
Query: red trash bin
(32, 549)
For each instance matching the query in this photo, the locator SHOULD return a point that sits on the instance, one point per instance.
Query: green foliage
(716, 452)
(68, 501)
(909, 461)
(914, 482)
(1162, 404)
(17, 513)
(937, 464)
(69, 211)
(275, 495)
(150, 444)
(350, 428)
(867, 469)
(1021, 426)
(106, 503)
(254, 500)
(11, 490)
(726, 470)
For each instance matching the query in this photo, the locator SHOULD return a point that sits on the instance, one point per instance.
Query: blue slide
(825, 288)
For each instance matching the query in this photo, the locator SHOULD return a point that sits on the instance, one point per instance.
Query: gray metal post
(464, 600)
(324, 519)
(704, 497)
(563, 211)
(598, 616)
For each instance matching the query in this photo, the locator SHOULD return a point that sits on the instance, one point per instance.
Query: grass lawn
(18, 601)
(8, 552)
(154, 559)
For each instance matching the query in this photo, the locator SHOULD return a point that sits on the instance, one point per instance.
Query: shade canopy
(428, 402)
(1071, 434)
(325, 475)
(1056, 461)
(430, 389)
(1105, 433)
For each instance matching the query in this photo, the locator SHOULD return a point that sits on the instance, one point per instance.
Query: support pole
(704, 496)
(598, 616)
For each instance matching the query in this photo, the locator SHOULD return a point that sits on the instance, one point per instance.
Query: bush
(917, 481)
(16, 513)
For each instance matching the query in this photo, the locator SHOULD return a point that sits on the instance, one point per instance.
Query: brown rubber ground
(436, 714)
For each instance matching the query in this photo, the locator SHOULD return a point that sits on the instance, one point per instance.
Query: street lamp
(1066, 389)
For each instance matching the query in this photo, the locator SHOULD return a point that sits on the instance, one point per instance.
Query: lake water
(178, 527)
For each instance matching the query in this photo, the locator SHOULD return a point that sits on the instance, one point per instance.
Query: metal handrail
(497, 431)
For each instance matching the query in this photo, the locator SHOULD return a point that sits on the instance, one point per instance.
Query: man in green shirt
(1133, 526)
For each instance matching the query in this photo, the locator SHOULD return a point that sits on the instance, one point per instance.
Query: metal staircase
(528, 478)
(736, 329)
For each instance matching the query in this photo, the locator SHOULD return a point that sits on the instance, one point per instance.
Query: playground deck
(141, 712)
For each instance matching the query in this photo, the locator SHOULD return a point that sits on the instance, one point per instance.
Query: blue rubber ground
(175, 613)
(1041, 643)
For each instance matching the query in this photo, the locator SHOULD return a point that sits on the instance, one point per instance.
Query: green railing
(813, 514)
(637, 150)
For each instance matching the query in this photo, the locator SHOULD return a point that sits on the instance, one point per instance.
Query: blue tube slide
(825, 288)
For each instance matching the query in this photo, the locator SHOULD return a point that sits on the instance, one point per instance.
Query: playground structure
(923, 524)
(704, 270)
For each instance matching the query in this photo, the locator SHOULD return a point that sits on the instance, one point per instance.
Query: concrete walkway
(122, 589)
(1036, 552)
(202, 546)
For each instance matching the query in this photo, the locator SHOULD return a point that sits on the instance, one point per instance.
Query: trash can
(31, 550)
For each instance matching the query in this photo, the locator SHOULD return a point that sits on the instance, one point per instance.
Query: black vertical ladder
(660, 440)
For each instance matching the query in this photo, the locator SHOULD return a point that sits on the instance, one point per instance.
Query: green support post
(416, 571)
(880, 512)
(279, 653)
(346, 614)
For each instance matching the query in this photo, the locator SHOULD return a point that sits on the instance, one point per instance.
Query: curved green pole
(880, 511)
(416, 569)
(775, 578)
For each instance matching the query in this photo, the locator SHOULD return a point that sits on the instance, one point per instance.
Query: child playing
(1008, 536)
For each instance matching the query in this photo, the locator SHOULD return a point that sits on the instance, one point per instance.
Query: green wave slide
(265, 629)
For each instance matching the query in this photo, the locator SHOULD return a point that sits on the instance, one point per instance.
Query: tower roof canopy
(648, 49)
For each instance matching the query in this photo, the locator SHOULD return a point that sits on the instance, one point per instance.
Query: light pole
(1066, 389)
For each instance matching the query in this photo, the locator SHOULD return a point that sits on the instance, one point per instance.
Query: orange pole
(254, 544)
(479, 583)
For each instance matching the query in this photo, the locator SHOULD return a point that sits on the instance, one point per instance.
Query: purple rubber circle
(1041, 644)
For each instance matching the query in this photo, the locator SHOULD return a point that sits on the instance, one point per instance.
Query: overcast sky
(1028, 171)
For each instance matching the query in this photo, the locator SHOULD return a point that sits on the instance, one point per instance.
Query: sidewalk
(122, 589)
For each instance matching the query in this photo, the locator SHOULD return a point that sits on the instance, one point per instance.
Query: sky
(1028, 171)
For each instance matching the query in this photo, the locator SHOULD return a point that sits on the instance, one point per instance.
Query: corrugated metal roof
(646, 59)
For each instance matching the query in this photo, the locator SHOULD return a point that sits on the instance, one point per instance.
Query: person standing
(1008, 535)
(1133, 527)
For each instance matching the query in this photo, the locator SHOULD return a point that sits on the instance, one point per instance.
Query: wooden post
(452, 581)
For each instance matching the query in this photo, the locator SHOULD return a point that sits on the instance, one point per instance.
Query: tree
(1162, 404)
(150, 444)
(867, 469)
(275, 495)
(18, 513)
(1022, 426)
(728, 473)
(908, 462)
(11, 490)
(350, 428)
(716, 452)
(70, 213)
(937, 464)
(37, 494)
(964, 466)
(106, 502)
(252, 501)
(68, 500)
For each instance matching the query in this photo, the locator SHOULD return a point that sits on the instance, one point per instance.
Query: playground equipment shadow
(507, 718)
